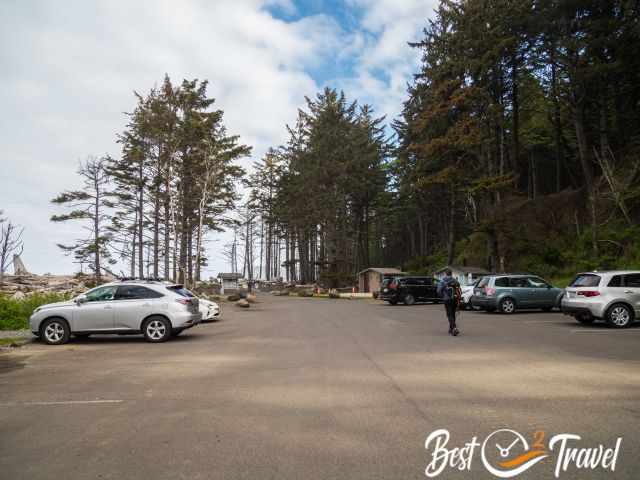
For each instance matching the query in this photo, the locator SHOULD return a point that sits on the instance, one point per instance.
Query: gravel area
(15, 333)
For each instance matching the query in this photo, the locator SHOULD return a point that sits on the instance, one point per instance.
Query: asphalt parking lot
(311, 388)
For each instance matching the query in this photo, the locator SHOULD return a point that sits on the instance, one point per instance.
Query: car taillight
(589, 293)
(393, 286)
(184, 301)
(490, 291)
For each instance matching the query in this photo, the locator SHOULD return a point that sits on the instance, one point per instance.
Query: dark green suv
(508, 293)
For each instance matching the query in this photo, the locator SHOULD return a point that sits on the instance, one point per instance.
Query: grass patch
(14, 314)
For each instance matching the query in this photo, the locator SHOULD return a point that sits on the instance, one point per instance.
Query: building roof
(230, 276)
(382, 270)
(463, 269)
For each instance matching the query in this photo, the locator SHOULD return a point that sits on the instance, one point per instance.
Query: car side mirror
(80, 299)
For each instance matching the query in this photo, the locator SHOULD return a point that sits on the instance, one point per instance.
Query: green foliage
(14, 314)
(425, 265)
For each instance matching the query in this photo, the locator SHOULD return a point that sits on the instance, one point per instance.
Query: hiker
(449, 291)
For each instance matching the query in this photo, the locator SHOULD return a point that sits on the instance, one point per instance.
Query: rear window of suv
(180, 290)
(586, 280)
(484, 282)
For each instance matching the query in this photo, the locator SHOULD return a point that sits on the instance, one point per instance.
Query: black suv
(410, 290)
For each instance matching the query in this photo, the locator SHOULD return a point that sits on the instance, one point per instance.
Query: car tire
(619, 316)
(55, 331)
(156, 329)
(507, 305)
(409, 299)
(585, 319)
(393, 302)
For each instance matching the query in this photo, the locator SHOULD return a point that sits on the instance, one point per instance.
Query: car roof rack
(138, 279)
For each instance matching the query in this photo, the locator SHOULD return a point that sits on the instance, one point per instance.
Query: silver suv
(155, 309)
(611, 296)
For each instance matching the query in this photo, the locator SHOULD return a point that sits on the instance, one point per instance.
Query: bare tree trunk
(134, 235)
(140, 222)
(156, 233)
(578, 117)
(516, 117)
(451, 233)
(96, 230)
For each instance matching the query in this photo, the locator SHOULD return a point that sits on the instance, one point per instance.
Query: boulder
(233, 298)
(251, 298)
(243, 303)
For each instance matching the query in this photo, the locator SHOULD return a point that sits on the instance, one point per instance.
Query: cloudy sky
(69, 69)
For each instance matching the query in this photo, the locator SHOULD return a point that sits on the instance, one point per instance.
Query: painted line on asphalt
(62, 402)
(583, 330)
(556, 320)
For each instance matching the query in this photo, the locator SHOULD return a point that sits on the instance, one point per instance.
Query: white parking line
(555, 320)
(602, 330)
(63, 402)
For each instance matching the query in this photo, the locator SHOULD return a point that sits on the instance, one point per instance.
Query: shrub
(14, 314)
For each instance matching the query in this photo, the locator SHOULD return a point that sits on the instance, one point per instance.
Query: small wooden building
(369, 280)
(229, 282)
(464, 275)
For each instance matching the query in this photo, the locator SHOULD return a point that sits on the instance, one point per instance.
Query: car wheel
(585, 319)
(507, 305)
(393, 302)
(55, 331)
(619, 316)
(409, 299)
(157, 329)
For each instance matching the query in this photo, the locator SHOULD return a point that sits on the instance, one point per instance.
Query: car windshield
(586, 280)
(180, 290)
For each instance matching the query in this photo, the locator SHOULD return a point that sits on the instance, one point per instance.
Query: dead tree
(11, 245)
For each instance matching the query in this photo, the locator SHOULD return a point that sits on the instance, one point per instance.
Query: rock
(18, 295)
(251, 298)
(243, 303)
(233, 298)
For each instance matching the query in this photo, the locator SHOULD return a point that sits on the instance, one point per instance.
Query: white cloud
(387, 63)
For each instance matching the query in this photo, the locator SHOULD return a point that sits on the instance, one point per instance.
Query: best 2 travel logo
(506, 453)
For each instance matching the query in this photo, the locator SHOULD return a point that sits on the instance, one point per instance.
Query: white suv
(611, 296)
(155, 309)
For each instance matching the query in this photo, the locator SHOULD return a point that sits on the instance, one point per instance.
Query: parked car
(508, 293)
(156, 309)
(410, 290)
(210, 310)
(467, 293)
(611, 296)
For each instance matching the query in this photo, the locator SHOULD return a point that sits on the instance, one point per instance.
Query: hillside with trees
(518, 149)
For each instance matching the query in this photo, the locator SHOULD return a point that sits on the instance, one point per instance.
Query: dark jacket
(447, 288)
